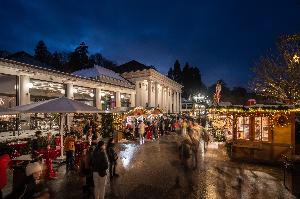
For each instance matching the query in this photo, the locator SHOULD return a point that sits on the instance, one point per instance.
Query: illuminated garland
(277, 117)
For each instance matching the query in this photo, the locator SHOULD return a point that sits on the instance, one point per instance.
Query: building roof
(98, 71)
(103, 78)
(133, 65)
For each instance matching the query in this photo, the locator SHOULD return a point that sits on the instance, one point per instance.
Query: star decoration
(296, 58)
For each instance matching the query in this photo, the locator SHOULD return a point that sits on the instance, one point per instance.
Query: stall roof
(256, 108)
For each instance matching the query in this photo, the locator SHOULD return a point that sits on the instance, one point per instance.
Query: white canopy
(58, 105)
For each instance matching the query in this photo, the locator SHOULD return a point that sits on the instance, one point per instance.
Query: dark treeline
(190, 78)
(73, 61)
(68, 61)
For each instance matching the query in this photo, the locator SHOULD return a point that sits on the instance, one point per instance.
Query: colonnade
(25, 85)
(154, 94)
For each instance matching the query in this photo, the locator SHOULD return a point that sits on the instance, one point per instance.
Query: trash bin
(292, 174)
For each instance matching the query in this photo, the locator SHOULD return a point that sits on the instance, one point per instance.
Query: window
(261, 129)
(243, 128)
(125, 100)
(140, 85)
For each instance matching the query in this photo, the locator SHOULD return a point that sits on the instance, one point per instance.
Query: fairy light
(277, 117)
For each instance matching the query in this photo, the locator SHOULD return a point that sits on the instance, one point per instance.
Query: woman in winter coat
(100, 166)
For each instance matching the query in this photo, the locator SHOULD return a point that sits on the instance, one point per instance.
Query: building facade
(155, 90)
(23, 84)
(105, 89)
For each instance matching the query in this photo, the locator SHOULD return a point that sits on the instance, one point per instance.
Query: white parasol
(61, 105)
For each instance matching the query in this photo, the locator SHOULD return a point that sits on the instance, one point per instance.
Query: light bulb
(30, 85)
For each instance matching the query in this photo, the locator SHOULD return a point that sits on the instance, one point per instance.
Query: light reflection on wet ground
(127, 153)
(153, 170)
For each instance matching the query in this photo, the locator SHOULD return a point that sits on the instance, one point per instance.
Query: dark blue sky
(222, 37)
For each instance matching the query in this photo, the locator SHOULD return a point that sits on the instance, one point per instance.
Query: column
(162, 97)
(69, 91)
(150, 94)
(167, 100)
(175, 102)
(69, 94)
(156, 95)
(98, 98)
(180, 105)
(171, 101)
(24, 97)
(24, 86)
(138, 94)
(118, 99)
(132, 99)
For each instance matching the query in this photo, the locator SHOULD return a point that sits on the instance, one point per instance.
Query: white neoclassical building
(134, 85)
(153, 89)
(22, 83)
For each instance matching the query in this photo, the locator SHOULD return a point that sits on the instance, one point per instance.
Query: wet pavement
(153, 170)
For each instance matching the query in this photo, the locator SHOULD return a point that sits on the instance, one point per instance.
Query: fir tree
(177, 73)
(56, 61)
(79, 58)
(170, 74)
(41, 53)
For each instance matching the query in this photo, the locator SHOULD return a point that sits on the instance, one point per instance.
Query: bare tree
(277, 76)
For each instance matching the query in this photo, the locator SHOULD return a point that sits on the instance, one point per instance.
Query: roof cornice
(28, 68)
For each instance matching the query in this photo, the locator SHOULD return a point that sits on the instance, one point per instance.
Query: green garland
(107, 127)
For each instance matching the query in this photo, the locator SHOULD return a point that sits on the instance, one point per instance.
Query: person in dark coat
(99, 167)
(112, 158)
(37, 144)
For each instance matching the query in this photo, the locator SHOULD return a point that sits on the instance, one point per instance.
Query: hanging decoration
(282, 120)
(217, 94)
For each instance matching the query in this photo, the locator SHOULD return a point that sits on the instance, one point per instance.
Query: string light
(277, 117)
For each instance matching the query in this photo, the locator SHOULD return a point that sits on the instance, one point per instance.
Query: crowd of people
(99, 159)
(192, 134)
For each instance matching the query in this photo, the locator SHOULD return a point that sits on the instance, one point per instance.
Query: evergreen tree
(98, 59)
(79, 58)
(41, 53)
(186, 75)
(170, 73)
(56, 62)
(177, 73)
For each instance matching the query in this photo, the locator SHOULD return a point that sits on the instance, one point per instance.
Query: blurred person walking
(69, 146)
(141, 130)
(99, 166)
(112, 158)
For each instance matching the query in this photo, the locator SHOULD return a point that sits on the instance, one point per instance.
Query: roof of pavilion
(98, 71)
(104, 78)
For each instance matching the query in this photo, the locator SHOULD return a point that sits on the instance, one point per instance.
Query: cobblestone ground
(153, 170)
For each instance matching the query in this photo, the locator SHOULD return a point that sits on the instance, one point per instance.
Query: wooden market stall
(259, 133)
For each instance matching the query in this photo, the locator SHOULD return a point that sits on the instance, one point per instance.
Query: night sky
(223, 38)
